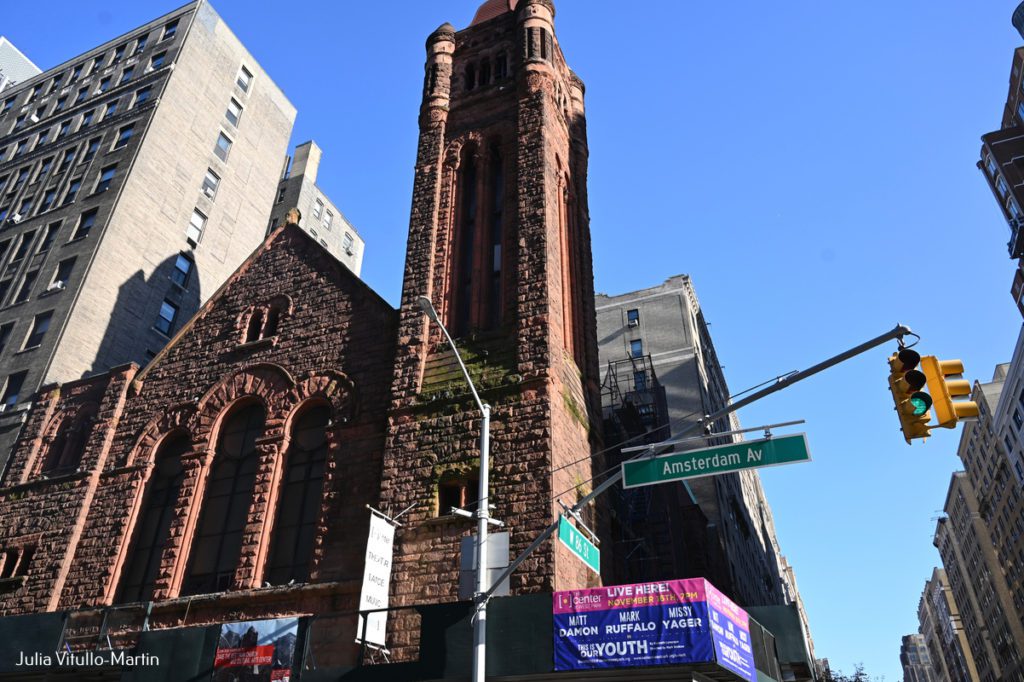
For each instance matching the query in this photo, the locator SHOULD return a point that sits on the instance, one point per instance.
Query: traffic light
(945, 383)
(906, 382)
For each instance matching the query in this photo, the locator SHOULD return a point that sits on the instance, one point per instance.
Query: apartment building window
(48, 198)
(19, 123)
(85, 224)
(97, 63)
(90, 151)
(87, 118)
(640, 381)
(244, 80)
(111, 109)
(182, 269)
(54, 84)
(75, 74)
(211, 181)
(82, 94)
(142, 96)
(26, 286)
(4, 210)
(5, 286)
(8, 105)
(26, 241)
(318, 209)
(48, 237)
(1001, 186)
(62, 275)
(280, 195)
(106, 177)
(123, 135)
(140, 44)
(234, 112)
(104, 85)
(3, 181)
(40, 325)
(36, 89)
(196, 225)
(25, 208)
(158, 60)
(73, 187)
(328, 219)
(41, 139)
(20, 179)
(165, 320)
(61, 103)
(170, 30)
(118, 53)
(1018, 420)
(19, 148)
(5, 335)
(636, 348)
(65, 127)
(12, 389)
(223, 147)
(633, 318)
(44, 168)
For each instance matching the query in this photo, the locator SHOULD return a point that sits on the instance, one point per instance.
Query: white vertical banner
(376, 580)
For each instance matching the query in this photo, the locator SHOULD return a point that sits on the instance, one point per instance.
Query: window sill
(76, 239)
(29, 349)
(268, 342)
(162, 333)
(446, 520)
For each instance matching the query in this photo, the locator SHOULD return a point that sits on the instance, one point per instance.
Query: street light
(480, 596)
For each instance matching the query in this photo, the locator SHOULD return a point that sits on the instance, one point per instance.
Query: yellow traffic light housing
(906, 382)
(946, 383)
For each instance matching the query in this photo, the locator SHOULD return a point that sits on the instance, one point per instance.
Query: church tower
(499, 240)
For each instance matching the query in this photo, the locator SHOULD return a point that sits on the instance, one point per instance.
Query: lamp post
(481, 595)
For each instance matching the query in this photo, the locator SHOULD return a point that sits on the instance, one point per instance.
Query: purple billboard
(661, 623)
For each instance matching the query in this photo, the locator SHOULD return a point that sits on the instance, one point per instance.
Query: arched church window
(485, 72)
(153, 526)
(500, 66)
(217, 543)
(470, 79)
(467, 240)
(298, 504)
(255, 327)
(65, 452)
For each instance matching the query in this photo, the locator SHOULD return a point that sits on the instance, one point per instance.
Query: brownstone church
(230, 478)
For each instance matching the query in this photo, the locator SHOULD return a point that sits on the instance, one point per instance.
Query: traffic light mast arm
(897, 332)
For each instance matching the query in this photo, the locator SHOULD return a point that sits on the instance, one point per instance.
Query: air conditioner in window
(57, 285)
(208, 191)
(633, 323)
(148, 69)
(350, 251)
(34, 118)
(16, 218)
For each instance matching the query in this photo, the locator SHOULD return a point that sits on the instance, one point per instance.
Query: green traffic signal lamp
(911, 403)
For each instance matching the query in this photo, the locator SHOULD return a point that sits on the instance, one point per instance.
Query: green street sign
(750, 454)
(579, 545)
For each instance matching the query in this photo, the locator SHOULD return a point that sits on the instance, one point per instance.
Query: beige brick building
(134, 178)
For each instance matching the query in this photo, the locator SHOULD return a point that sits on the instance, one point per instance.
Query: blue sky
(811, 165)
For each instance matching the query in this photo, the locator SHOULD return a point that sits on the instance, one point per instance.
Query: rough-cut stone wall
(334, 345)
(545, 418)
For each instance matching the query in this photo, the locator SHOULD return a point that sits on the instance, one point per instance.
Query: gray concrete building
(320, 216)
(942, 632)
(134, 178)
(15, 67)
(659, 334)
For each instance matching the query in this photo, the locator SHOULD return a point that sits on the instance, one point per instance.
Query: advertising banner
(256, 650)
(660, 623)
(376, 580)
